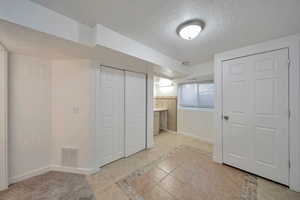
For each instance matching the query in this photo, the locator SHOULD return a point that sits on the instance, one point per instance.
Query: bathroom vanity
(160, 120)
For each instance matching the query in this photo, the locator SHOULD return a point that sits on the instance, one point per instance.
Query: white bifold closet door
(135, 112)
(110, 115)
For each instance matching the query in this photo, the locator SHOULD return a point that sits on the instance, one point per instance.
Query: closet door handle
(226, 117)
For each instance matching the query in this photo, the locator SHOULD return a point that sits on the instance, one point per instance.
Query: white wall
(29, 133)
(202, 69)
(3, 119)
(200, 72)
(196, 123)
(165, 91)
(73, 110)
(51, 106)
(199, 123)
(71, 126)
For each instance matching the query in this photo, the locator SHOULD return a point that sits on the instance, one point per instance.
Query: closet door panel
(110, 115)
(135, 112)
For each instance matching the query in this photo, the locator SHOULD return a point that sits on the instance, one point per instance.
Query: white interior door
(255, 112)
(135, 109)
(110, 115)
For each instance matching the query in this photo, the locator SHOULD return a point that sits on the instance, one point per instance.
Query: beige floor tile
(143, 184)
(268, 190)
(100, 180)
(293, 195)
(168, 165)
(182, 174)
(158, 194)
(111, 193)
(157, 174)
(16, 192)
(190, 193)
(172, 185)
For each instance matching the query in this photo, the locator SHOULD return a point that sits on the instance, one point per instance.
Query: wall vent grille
(69, 157)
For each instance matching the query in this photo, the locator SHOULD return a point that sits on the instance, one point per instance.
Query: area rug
(183, 166)
(50, 186)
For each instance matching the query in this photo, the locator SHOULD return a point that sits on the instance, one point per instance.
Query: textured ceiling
(229, 23)
(22, 40)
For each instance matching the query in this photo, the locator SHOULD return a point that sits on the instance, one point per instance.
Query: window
(197, 95)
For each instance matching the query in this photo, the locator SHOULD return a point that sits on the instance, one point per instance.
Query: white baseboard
(198, 137)
(36, 172)
(215, 159)
(167, 130)
(3, 188)
(29, 174)
(74, 170)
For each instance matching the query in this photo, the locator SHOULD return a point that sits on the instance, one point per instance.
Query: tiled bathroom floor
(174, 177)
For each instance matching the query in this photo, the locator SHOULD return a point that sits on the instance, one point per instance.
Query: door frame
(292, 43)
(3, 119)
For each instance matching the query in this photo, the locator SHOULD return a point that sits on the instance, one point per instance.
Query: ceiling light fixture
(186, 63)
(190, 29)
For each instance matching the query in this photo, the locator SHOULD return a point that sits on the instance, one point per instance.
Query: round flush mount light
(190, 29)
(186, 63)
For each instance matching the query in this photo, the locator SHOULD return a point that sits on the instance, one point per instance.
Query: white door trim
(3, 119)
(149, 118)
(293, 44)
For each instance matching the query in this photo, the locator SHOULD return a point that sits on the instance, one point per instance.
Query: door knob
(226, 117)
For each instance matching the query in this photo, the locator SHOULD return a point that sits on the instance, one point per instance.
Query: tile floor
(188, 173)
(167, 180)
(104, 183)
(105, 180)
